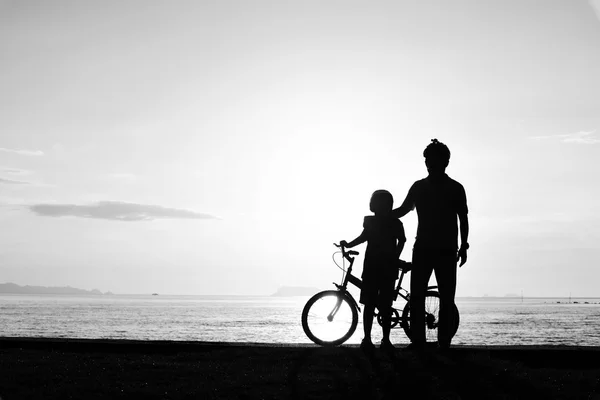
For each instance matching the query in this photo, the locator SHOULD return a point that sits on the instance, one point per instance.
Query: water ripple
(275, 320)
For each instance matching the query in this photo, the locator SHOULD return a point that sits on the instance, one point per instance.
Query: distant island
(289, 291)
(13, 288)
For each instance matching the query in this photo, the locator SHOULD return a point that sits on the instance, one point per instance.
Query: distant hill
(289, 291)
(13, 288)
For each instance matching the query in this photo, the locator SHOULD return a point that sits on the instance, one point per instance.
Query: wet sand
(109, 369)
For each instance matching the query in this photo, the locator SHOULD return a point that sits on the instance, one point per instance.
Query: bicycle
(330, 317)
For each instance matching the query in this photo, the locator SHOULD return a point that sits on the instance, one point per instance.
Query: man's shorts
(377, 292)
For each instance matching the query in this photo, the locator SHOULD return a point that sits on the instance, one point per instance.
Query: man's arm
(464, 228)
(401, 239)
(464, 236)
(462, 211)
(407, 205)
(399, 248)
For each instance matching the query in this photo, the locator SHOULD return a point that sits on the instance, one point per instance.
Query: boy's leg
(368, 297)
(367, 343)
(419, 279)
(386, 343)
(386, 300)
(386, 327)
(445, 274)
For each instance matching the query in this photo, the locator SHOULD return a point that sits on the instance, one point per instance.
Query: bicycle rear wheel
(432, 317)
(329, 318)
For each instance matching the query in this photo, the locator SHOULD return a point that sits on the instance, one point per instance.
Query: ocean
(258, 319)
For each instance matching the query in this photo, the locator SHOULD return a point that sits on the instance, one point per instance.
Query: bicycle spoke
(432, 317)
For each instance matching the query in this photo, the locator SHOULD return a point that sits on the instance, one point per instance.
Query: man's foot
(367, 347)
(387, 347)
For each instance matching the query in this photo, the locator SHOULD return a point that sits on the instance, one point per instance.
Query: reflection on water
(484, 321)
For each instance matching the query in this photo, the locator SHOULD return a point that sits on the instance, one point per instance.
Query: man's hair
(437, 150)
(382, 202)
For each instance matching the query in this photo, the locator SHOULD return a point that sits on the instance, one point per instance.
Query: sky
(221, 147)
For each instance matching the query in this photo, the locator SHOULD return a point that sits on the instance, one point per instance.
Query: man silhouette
(439, 201)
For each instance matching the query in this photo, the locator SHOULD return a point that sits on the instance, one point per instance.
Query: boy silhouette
(385, 239)
(440, 201)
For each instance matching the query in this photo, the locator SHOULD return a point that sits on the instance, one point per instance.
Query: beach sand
(118, 369)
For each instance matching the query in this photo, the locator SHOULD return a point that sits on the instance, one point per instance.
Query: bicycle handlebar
(346, 253)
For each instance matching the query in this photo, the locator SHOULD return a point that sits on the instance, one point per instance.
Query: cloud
(116, 211)
(13, 182)
(581, 137)
(23, 152)
(14, 171)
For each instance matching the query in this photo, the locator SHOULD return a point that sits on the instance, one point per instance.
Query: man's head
(382, 202)
(437, 157)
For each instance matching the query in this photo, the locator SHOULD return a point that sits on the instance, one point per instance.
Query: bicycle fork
(336, 308)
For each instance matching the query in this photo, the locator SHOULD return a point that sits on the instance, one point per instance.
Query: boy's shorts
(377, 292)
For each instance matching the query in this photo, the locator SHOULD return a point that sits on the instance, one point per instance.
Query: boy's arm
(359, 240)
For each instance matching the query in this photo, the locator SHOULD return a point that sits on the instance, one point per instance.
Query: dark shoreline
(581, 355)
(48, 368)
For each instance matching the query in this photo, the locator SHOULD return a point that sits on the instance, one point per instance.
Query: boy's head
(437, 156)
(381, 202)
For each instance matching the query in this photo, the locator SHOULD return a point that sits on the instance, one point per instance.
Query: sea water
(483, 321)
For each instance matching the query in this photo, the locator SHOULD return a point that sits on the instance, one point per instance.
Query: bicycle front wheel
(432, 317)
(329, 318)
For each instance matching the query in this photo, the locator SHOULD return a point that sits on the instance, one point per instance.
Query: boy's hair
(382, 202)
(437, 150)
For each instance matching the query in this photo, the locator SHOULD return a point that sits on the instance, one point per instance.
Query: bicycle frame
(340, 302)
(399, 288)
(349, 278)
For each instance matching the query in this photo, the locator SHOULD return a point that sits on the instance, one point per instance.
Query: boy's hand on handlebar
(344, 246)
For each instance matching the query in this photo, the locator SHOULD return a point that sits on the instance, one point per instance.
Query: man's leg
(369, 311)
(419, 279)
(445, 274)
